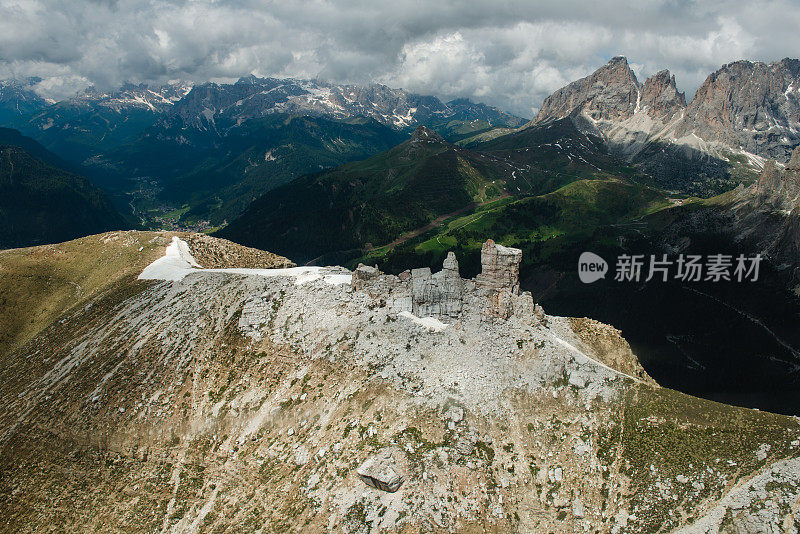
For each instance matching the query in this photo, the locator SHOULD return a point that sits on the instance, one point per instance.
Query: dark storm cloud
(508, 53)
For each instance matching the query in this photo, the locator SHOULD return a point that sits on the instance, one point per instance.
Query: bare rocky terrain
(743, 106)
(228, 398)
(744, 114)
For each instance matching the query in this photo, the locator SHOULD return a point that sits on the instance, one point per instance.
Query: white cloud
(511, 54)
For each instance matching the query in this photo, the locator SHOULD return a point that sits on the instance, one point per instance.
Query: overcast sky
(506, 53)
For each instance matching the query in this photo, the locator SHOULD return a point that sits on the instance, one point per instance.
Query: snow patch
(178, 262)
(431, 323)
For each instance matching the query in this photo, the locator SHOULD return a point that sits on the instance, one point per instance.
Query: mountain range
(203, 152)
(744, 113)
(233, 142)
(220, 108)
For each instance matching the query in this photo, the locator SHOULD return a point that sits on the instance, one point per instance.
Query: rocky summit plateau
(188, 384)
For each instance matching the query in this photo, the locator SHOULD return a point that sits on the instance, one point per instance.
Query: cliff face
(776, 186)
(660, 96)
(754, 106)
(613, 94)
(745, 106)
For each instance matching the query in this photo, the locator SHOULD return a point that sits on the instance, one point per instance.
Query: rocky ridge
(253, 97)
(744, 113)
(766, 215)
(299, 398)
(132, 96)
(17, 97)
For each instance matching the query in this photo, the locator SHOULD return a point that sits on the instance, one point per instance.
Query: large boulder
(384, 471)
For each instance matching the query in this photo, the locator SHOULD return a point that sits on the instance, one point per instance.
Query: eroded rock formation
(499, 266)
(444, 295)
(440, 294)
(500, 276)
(744, 105)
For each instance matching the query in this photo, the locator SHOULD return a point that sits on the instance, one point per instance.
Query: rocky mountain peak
(610, 93)
(750, 105)
(423, 134)
(660, 95)
(743, 107)
(157, 99)
(617, 68)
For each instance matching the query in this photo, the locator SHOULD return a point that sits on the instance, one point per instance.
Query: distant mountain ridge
(253, 97)
(17, 97)
(94, 121)
(222, 106)
(744, 113)
(214, 147)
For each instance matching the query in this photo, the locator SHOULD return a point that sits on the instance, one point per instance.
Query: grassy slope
(541, 225)
(39, 284)
(336, 215)
(369, 202)
(646, 437)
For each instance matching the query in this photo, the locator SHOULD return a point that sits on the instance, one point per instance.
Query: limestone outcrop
(438, 295)
(363, 275)
(500, 276)
(499, 267)
(504, 303)
(446, 296)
